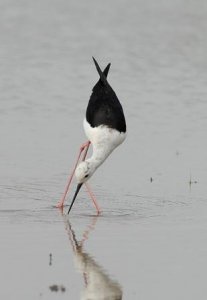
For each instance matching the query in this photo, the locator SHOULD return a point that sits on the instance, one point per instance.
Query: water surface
(150, 240)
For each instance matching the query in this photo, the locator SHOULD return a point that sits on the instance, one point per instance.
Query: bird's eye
(86, 176)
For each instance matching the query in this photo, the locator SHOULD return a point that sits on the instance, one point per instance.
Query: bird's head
(84, 171)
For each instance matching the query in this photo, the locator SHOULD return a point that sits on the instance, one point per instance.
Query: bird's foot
(59, 204)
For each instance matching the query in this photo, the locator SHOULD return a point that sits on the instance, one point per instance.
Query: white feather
(104, 140)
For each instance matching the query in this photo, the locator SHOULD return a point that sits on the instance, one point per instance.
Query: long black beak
(75, 195)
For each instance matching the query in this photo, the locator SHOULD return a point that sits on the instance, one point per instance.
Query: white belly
(103, 139)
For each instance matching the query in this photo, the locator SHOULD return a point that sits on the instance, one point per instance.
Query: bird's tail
(103, 75)
(106, 70)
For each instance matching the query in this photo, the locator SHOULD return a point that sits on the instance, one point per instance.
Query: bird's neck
(99, 156)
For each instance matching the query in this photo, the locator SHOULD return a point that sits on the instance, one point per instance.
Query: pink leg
(84, 146)
(86, 151)
(91, 194)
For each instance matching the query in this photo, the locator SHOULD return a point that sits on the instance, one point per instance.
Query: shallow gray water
(150, 240)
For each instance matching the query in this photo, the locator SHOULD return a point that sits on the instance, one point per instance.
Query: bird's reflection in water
(98, 285)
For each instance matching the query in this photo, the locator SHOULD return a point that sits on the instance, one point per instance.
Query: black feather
(104, 107)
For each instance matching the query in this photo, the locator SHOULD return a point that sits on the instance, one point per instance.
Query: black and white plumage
(104, 126)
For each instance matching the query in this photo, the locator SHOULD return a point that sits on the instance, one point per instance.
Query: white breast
(103, 139)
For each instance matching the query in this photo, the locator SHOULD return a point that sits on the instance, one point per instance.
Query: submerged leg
(91, 194)
(84, 146)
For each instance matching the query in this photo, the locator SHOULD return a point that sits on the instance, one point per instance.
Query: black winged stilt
(105, 128)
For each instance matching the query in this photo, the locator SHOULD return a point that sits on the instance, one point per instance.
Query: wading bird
(105, 128)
